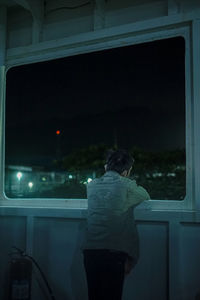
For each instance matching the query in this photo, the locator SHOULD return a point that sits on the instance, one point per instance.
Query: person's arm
(135, 194)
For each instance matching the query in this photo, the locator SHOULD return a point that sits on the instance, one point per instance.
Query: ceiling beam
(36, 8)
(23, 3)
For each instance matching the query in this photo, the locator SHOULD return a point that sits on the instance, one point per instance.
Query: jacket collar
(112, 173)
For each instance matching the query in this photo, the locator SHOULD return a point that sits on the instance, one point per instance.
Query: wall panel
(116, 15)
(57, 245)
(190, 261)
(57, 249)
(12, 233)
(149, 279)
(19, 31)
(67, 22)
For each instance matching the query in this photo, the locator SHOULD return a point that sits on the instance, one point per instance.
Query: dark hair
(119, 161)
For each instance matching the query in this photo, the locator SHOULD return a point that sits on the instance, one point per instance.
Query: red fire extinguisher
(20, 279)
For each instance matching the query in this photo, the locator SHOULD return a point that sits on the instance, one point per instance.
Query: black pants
(105, 274)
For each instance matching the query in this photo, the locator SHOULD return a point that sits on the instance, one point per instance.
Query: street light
(19, 175)
(30, 184)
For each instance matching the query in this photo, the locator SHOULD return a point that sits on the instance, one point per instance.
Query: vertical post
(99, 14)
(37, 11)
(29, 234)
(196, 109)
(3, 21)
(36, 31)
(36, 8)
(2, 95)
(189, 123)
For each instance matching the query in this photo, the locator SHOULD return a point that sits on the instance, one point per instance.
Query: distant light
(89, 180)
(171, 174)
(19, 175)
(44, 179)
(58, 132)
(157, 174)
(30, 184)
(70, 176)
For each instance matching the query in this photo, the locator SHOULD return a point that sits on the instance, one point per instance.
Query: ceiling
(8, 3)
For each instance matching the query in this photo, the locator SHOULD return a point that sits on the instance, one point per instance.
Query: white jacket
(110, 222)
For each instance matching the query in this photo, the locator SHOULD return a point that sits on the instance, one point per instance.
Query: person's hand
(129, 264)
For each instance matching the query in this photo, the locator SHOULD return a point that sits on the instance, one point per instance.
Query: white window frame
(121, 36)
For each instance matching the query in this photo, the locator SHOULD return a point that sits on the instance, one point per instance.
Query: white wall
(169, 231)
(168, 267)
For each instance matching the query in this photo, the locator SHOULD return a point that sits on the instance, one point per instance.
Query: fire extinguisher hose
(22, 253)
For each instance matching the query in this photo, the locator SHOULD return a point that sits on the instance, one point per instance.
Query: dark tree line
(161, 173)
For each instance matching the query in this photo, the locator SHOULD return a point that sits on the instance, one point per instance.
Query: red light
(58, 132)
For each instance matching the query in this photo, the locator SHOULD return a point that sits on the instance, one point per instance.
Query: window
(62, 116)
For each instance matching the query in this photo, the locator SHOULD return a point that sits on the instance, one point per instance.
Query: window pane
(62, 116)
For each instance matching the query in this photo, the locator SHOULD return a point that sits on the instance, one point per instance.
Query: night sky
(132, 96)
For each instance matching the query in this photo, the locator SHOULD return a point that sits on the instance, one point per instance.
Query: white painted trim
(105, 39)
(196, 109)
(3, 17)
(44, 203)
(189, 128)
(192, 217)
(91, 41)
(2, 127)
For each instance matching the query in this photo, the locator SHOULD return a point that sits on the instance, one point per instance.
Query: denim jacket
(110, 221)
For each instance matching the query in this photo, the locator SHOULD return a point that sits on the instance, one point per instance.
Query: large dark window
(62, 116)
